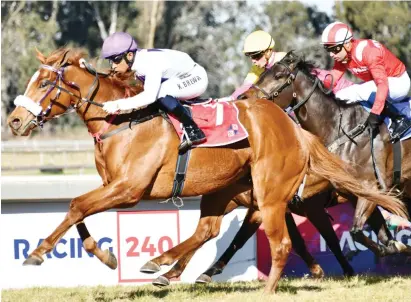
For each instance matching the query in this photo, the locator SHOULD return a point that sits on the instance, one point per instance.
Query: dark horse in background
(292, 83)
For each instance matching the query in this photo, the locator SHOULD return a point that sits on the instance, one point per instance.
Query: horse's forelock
(306, 66)
(64, 56)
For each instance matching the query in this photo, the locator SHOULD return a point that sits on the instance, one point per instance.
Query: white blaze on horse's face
(32, 80)
(25, 101)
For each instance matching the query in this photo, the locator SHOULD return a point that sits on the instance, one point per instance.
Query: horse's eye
(280, 75)
(43, 84)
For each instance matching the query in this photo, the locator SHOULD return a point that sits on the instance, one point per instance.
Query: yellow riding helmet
(258, 40)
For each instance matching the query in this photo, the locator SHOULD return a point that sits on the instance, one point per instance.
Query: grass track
(359, 288)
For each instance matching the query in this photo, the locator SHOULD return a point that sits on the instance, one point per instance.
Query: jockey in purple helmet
(167, 75)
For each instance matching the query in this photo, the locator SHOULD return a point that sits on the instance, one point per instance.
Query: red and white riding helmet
(336, 33)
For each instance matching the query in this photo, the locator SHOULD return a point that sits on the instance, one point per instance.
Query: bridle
(42, 117)
(292, 74)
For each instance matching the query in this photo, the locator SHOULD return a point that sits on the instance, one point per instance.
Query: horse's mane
(71, 56)
(306, 66)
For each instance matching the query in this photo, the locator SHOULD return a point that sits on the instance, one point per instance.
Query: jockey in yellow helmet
(259, 47)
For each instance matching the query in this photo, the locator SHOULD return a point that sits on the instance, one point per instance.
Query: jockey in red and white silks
(384, 75)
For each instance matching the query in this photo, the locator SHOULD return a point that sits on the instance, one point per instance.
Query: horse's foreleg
(251, 223)
(379, 226)
(90, 245)
(363, 210)
(319, 218)
(300, 248)
(98, 200)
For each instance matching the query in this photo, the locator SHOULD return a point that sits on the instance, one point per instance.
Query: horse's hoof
(317, 271)
(150, 268)
(204, 279)
(401, 247)
(161, 281)
(33, 260)
(112, 260)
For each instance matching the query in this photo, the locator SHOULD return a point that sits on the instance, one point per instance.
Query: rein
(100, 135)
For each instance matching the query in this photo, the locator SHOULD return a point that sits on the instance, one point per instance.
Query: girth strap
(180, 174)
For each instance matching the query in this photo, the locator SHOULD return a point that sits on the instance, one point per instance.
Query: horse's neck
(93, 116)
(322, 116)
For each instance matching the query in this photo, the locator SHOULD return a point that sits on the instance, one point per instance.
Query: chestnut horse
(135, 164)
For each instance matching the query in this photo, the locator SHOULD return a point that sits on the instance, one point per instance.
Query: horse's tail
(329, 166)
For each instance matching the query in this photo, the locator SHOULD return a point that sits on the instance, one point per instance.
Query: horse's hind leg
(183, 261)
(250, 225)
(93, 202)
(213, 207)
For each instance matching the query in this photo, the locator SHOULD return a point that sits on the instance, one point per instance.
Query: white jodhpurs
(398, 88)
(187, 86)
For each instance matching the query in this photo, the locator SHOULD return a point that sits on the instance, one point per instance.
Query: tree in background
(24, 26)
(212, 32)
(296, 26)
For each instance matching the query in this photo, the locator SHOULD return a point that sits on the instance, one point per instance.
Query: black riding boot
(194, 134)
(400, 123)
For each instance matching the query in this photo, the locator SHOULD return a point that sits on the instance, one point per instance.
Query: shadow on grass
(292, 289)
(194, 290)
(199, 290)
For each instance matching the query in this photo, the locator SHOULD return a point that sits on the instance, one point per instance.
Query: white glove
(225, 99)
(111, 107)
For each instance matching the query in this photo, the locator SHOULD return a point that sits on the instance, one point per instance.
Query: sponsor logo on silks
(346, 240)
(232, 130)
(359, 69)
(65, 248)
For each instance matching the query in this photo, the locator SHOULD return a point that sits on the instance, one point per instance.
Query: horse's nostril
(15, 123)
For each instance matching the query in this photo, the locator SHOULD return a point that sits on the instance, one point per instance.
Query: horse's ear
(40, 56)
(290, 53)
(66, 60)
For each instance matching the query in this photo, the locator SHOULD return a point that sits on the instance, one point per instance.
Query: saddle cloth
(219, 122)
(404, 107)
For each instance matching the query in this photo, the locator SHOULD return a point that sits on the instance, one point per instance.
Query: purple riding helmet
(118, 43)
